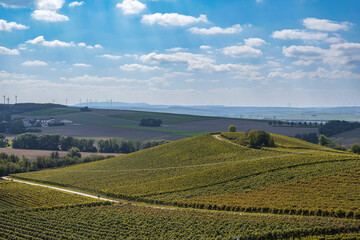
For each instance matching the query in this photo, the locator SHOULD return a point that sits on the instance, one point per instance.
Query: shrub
(355, 148)
(259, 139)
(74, 152)
(232, 128)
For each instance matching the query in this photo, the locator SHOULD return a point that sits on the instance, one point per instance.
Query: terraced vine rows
(17, 196)
(134, 222)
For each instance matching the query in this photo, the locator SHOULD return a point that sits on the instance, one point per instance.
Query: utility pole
(66, 102)
(8, 100)
(15, 99)
(80, 102)
(4, 99)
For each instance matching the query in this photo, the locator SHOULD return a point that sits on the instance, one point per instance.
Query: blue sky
(236, 53)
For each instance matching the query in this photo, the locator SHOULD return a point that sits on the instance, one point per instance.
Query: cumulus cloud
(194, 61)
(56, 43)
(9, 26)
(131, 6)
(303, 62)
(241, 51)
(6, 51)
(109, 56)
(303, 51)
(325, 25)
(338, 54)
(293, 34)
(138, 67)
(205, 47)
(49, 16)
(172, 19)
(49, 4)
(76, 4)
(217, 30)
(98, 46)
(81, 65)
(254, 42)
(176, 49)
(35, 63)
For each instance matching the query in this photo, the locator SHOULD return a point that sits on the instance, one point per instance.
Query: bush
(232, 128)
(355, 148)
(259, 139)
(74, 152)
(150, 122)
(324, 141)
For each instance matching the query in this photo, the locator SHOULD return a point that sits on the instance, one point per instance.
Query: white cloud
(88, 78)
(15, 4)
(299, 34)
(254, 42)
(205, 47)
(9, 26)
(138, 67)
(49, 16)
(112, 57)
(6, 51)
(76, 3)
(98, 46)
(303, 62)
(259, 1)
(325, 25)
(81, 65)
(176, 49)
(241, 51)
(194, 61)
(35, 63)
(172, 19)
(56, 43)
(190, 80)
(303, 51)
(49, 4)
(216, 30)
(131, 6)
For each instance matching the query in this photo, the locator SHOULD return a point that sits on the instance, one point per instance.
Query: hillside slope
(207, 172)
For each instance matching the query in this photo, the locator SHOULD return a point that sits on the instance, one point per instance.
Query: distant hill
(282, 113)
(212, 172)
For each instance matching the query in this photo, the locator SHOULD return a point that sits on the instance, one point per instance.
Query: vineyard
(204, 172)
(134, 222)
(18, 196)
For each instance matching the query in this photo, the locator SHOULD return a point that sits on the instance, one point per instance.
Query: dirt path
(60, 189)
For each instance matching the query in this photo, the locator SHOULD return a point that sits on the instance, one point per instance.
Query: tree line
(56, 142)
(334, 127)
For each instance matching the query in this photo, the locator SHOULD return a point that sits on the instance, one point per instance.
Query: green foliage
(324, 141)
(355, 148)
(309, 137)
(17, 196)
(128, 221)
(4, 142)
(335, 126)
(232, 128)
(74, 152)
(259, 139)
(150, 122)
(154, 143)
(16, 126)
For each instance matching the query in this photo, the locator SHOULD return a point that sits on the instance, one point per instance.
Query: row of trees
(53, 142)
(64, 143)
(150, 122)
(309, 137)
(13, 164)
(335, 126)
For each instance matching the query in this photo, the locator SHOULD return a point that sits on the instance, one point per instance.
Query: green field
(19, 196)
(50, 112)
(159, 129)
(205, 172)
(208, 187)
(167, 118)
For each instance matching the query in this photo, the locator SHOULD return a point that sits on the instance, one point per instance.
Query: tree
(232, 128)
(74, 152)
(3, 141)
(259, 139)
(324, 141)
(355, 148)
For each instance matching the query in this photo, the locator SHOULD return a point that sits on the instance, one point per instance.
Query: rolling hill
(212, 172)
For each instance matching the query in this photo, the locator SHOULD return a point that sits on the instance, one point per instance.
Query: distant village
(45, 122)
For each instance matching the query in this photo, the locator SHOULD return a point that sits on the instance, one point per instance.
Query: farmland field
(206, 172)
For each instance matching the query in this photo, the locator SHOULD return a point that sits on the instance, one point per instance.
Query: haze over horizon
(305, 53)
